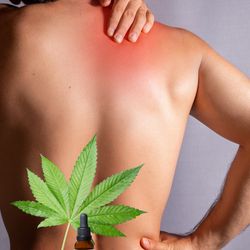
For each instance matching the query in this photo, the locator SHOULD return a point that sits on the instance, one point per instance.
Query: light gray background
(205, 156)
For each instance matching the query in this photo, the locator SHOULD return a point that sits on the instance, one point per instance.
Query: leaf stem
(65, 236)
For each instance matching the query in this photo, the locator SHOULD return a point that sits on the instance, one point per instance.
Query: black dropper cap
(83, 232)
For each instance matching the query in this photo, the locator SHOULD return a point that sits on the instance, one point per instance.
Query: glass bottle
(84, 238)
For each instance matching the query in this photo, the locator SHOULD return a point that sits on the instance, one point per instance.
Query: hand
(170, 242)
(133, 14)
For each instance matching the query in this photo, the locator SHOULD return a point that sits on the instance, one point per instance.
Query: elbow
(246, 146)
(245, 139)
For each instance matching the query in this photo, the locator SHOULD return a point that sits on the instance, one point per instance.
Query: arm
(223, 104)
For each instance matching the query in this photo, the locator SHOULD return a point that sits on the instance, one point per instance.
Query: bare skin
(61, 83)
(132, 16)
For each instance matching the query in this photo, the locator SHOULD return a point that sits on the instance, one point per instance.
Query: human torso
(67, 77)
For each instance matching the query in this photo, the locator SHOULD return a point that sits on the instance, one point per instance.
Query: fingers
(153, 245)
(138, 24)
(118, 9)
(150, 22)
(132, 15)
(105, 3)
(127, 20)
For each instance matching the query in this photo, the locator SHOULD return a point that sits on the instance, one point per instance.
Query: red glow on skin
(126, 62)
(96, 60)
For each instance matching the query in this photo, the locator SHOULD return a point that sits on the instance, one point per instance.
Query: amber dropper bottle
(84, 238)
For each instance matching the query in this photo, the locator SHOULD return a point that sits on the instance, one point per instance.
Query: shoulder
(8, 16)
(7, 13)
(183, 38)
(31, 18)
(185, 44)
(15, 20)
(19, 38)
(25, 28)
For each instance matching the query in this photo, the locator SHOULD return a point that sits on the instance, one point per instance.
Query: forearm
(231, 214)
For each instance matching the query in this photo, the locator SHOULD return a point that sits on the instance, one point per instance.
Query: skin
(171, 242)
(58, 90)
(132, 16)
(127, 15)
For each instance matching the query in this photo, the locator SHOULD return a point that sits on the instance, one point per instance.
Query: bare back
(62, 81)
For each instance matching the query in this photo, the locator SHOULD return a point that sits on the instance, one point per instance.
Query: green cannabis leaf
(60, 202)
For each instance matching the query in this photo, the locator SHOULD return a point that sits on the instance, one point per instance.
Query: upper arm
(222, 100)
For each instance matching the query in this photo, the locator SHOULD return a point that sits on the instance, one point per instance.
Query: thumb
(105, 3)
(149, 244)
